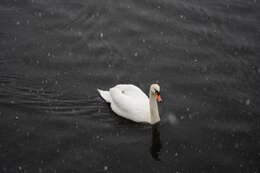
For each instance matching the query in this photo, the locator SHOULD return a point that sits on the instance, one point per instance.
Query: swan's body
(132, 103)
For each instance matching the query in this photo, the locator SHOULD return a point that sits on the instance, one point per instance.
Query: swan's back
(130, 90)
(130, 102)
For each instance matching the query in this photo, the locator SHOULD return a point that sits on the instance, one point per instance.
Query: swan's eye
(158, 96)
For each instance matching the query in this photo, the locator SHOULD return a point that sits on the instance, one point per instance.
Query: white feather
(105, 95)
(129, 102)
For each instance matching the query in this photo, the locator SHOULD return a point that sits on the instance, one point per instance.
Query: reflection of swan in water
(156, 142)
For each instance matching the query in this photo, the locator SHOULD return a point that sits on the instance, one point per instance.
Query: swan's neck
(153, 109)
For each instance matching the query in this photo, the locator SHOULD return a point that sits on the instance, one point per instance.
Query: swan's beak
(158, 97)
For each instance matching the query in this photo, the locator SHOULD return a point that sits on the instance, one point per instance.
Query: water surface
(54, 54)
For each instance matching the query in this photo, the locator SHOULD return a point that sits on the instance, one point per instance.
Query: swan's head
(155, 90)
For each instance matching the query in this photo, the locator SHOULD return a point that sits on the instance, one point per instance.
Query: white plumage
(130, 102)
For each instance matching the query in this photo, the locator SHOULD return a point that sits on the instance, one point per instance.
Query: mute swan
(132, 103)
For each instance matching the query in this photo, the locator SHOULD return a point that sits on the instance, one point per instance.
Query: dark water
(203, 53)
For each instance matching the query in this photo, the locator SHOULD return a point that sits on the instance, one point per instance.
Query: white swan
(132, 103)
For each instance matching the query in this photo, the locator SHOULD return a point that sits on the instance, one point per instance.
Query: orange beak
(158, 97)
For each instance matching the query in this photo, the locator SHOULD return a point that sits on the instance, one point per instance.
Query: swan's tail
(105, 95)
